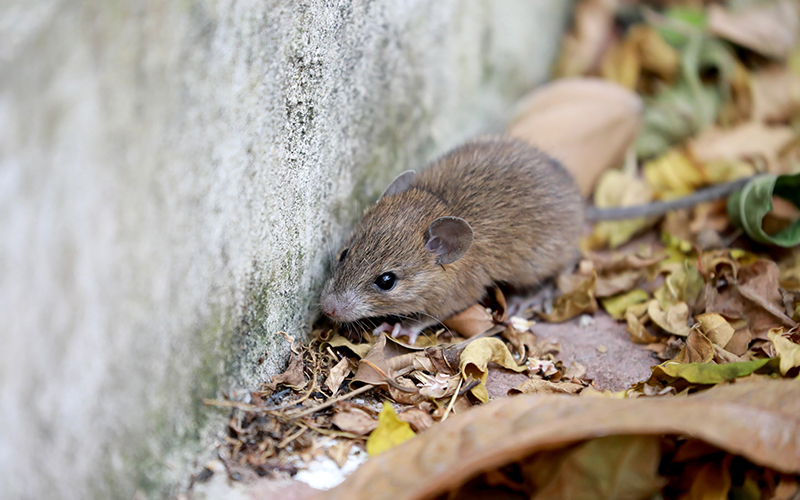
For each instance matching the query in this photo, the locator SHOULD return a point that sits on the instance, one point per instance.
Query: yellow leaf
(672, 175)
(636, 329)
(479, 353)
(788, 351)
(617, 305)
(390, 432)
(618, 189)
(621, 64)
(716, 328)
(673, 320)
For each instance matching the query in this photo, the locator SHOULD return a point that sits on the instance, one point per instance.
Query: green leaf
(748, 207)
(682, 17)
(618, 304)
(707, 373)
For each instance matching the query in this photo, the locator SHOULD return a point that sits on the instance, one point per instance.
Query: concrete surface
(173, 178)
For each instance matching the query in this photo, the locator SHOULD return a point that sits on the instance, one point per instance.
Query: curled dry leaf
(730, 417)
(618, 189)
(750, 141)
(588, 124)
(672, 175)
(698, 349)
(642, 49)
(673, 320)
(475, 360)
(357, 419)
(470, 322)
(769, 28)
(337, 375)
(582, 48)
(419, 420)
(788, 351)
(541, 386)
(579, 301)
(775, 93)
(715, 328)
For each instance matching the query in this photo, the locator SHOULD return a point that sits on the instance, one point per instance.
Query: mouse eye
(386, 281)
(342, 255)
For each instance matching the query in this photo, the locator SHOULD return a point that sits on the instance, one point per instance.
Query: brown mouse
(494, 210)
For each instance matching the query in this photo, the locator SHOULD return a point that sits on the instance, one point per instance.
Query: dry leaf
(673, 320)
(600, 469)
(470, 322)
(698, 349)
(581, 49)
(776, 94)
(621, 64)
(541, 386)
(769, 28)
(754, 297)
(715, 328)
(579, 301)
(357, 419)
(588, 124)
(672, 175)
(337, 375)
(390, 432)
(475, 360)
(635, 327)
(730, 417)
(750, 141)
(419, 420)
(293, 375)
(788, 351)
(617, 189)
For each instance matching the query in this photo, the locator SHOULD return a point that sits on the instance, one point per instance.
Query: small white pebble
(585, 320)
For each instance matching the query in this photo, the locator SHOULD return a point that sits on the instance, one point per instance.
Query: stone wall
(174, 176)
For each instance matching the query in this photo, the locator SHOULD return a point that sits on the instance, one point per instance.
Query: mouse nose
(337, 308)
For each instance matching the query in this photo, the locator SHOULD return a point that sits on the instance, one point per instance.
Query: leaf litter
(653, 101)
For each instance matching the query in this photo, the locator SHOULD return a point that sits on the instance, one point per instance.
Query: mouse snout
(339, 307)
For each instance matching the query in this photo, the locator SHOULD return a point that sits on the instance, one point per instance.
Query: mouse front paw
(398, 329)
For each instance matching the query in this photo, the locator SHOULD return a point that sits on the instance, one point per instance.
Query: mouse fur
(517, 211)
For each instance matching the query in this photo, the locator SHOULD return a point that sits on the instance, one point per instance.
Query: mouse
(493, 211)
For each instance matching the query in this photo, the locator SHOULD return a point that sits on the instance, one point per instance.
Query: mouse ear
(400, 183)
(450, 238)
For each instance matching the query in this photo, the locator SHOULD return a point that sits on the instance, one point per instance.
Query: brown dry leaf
(776, 94)
(382, 360)
(293, 376)
(587, 123)
(698, 349)
(635, 327)
(579, 301)
(541, 386)
(582, 48)
(750, 141)
(608, 285)
(359, 350)
(337, 375)
(354, 418)
(642, 49)
(788, 351)
(673, 320)
(600, 469)
(710, 481)
(615, 262)
(730, 417)
(618, 189)
(419, 420)
(470, 322)
(755, 297)
(790, 271)
(769, 28)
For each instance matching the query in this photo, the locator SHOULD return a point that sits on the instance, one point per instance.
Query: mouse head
(393, 262)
